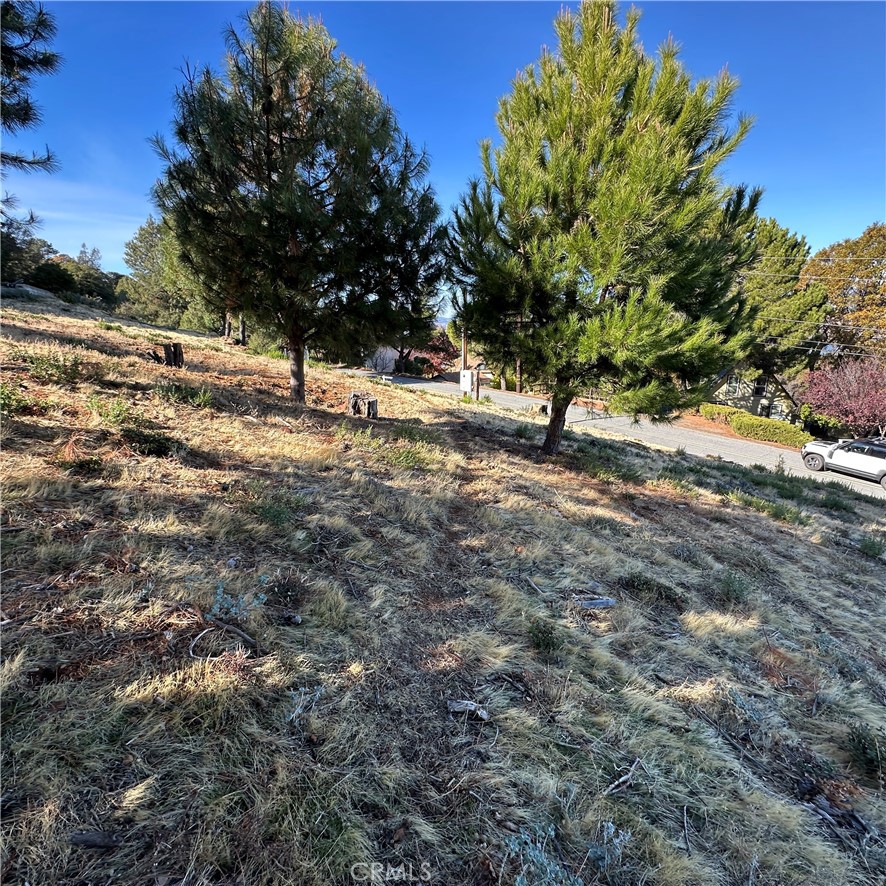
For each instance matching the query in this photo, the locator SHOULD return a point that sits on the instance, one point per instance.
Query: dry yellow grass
(722, 724)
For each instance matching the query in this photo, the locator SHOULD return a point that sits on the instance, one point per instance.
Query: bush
(771, 430)
(116, 412)
(873, 545)
(821, 425)
(11, 400)
(176, 393)
(265, 343)
(718, 413)
(58, 365)
(52, 277)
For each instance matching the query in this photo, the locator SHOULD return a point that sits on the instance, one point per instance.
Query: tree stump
(362, 404)
(173, 355)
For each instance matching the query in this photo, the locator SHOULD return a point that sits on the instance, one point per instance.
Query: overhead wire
(872, 349)
(824, 323)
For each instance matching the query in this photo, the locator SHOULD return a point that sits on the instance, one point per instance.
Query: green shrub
(150, 443)
(176, 393)
(57, 365)
(717, 412)
(754, 427)
(867, 750)
(116, 412)
(11, 400)
(872, 545)
(524, 432)
(510, 382)
(821, 425)
(543, 635)
(733, 586)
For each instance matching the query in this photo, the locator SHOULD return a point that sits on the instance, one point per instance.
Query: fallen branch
(594, 602)
(467, 707)
(236, 632)
(624, 781)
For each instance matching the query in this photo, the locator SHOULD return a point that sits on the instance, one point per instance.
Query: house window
(733, 382)
(777, 410)
(760, 387)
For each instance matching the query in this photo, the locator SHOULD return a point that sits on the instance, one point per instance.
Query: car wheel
(883, 481)
(814, 462)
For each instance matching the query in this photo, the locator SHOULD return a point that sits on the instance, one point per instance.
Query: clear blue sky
(813, 75)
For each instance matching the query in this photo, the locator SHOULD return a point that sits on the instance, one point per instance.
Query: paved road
(694, 442)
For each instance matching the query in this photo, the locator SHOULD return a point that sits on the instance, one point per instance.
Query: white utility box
(466, 380)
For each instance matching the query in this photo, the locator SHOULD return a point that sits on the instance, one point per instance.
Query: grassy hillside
(232, 630)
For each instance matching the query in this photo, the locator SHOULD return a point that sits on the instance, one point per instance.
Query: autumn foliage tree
(853, 392)
(853, 274)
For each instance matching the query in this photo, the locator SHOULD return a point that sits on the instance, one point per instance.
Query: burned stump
(362, 404)
(173, 355)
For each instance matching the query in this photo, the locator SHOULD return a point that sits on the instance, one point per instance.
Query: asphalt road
(694, 442)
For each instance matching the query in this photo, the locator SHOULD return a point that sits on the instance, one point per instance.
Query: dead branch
(467, 707)
(624, 781)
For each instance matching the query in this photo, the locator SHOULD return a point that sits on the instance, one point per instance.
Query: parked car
(861, 458)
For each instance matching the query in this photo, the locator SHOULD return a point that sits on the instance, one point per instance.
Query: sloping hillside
(232, 631)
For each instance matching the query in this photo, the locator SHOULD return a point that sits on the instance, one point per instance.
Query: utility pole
(464, 347)
(519, 367)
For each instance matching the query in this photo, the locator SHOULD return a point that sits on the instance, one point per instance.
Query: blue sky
(813, 75)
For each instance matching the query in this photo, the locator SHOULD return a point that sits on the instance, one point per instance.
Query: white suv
(861, 458)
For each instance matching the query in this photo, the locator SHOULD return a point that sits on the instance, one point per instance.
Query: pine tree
(786, 314)
(25, 31)
(602, 248)
(293, 193)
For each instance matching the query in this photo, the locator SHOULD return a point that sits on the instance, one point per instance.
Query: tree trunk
(519, 385)
(296, 368)
(559, 405)
(228, 325)
(242, 330)
(503, 380)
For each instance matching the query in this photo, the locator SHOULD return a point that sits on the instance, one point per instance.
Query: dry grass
(723, 723)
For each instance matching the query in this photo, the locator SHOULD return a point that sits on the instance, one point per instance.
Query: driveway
(694, 442)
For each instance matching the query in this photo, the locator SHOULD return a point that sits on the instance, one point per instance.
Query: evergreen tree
(160, 288)
(786, 313)
(290, 188)
(20, 251)
(602, 248)
(26, 29)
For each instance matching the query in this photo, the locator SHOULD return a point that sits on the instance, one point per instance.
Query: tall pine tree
(293, 193)
(26, 29)
(602, 248)
(786, 313)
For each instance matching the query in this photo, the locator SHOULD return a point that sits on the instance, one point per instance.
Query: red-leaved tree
(854, 392)
(441, 353)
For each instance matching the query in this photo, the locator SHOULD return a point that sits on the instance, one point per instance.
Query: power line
(859, 354)
(825, 259)
(809, 276)
(873, 349)
(824, 323)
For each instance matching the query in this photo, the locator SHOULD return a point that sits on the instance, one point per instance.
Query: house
(762, 394)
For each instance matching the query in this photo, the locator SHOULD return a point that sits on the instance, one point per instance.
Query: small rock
(233, 562)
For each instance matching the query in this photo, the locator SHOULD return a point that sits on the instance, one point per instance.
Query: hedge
(716, 412)
(769, 429)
